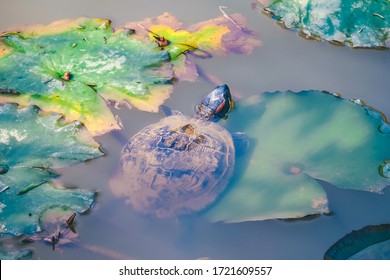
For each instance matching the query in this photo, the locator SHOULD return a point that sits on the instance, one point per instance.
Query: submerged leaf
(9, 252)
(356, 22)
(370, 242)
(20, 213)
(219, 36)
(31, 143)
(57, 225)
(58, 228)
(296, 138)
(72, 67)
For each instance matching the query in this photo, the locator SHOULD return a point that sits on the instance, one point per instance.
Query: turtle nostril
(3, 169)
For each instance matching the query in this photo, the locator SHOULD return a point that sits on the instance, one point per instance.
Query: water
(284, 62)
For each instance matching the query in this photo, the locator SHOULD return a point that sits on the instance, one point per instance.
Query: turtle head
(216, 104)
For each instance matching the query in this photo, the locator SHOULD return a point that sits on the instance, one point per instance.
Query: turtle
(180, 164)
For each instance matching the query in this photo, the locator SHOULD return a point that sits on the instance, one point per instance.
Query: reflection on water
(284, 62)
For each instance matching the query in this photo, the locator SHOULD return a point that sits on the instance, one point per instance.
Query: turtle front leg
(241, 143)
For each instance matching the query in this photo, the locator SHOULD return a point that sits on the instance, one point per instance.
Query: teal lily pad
(10, 252)
(32, 143)
(20, 213)
(368, 243)
(74, 66)
(358, 23)
(297, 139)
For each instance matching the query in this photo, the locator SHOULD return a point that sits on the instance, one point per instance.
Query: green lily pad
(20, 213)
(31, 144)
(358, 23)
(368, 243)
(73, 67)
(295, 139)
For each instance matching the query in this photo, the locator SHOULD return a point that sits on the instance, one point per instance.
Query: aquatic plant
(73, 66)
(357, 23)
(31, 144)
(297, 139)
(219, 36)
(371, 242)
(10, 252)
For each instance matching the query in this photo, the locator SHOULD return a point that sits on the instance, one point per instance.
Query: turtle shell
(176, 166)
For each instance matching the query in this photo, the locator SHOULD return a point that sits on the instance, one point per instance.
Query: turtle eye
(220, 107)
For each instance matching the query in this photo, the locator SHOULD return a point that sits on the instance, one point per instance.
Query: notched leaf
(369, 243)
(32, 143)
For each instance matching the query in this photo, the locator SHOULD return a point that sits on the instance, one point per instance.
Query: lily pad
(31, 144)
(369, 243)
(358, 23)
(73, 66)
(20, 213)
(295, 139)
(215, 37)
(9, 252)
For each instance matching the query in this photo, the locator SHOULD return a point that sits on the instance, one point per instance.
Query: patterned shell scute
(176, 166)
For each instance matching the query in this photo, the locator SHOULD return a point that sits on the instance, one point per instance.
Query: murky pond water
(284, 62)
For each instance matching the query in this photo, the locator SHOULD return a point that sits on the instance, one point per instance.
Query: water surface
(284, 62)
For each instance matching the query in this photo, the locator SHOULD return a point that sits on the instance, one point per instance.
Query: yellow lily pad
(74, 66)
(215, 37)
